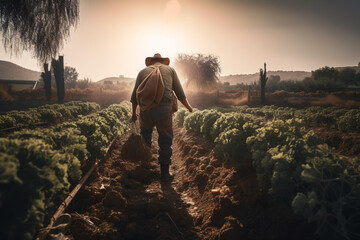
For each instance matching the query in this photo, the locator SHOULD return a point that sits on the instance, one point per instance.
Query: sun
(166, 44)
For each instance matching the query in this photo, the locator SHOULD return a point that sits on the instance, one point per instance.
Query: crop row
(47, 114)
(291, 163)
(39, 167)
(341, 118)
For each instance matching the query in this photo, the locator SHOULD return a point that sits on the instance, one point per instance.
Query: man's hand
(186, 104)
(133, 118)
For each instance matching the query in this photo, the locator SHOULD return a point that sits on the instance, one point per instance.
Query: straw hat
(156, 58)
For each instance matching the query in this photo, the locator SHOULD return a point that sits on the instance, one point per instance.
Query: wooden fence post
(58, 66)
(46, 76)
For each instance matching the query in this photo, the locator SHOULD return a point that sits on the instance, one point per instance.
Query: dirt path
(206, 200)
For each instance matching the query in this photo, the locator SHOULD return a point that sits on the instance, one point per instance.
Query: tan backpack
(151, 90)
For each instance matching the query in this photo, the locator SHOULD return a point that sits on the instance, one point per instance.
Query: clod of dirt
(108, 231)
(115, 217)
(209, 169)
(186, 149)
(185, 180)
(232, 229)
(202, 151)
(114, 199)
(201, 180)
(135, 149)
(189, 161)
(140, 174)
(80, 228)
(216, 162)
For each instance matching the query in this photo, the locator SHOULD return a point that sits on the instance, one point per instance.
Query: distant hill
(11, 71)
(116, 83)
(116, 80)
(250, 78)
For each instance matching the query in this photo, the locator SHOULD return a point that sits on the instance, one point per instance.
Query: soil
(347, 144)
(135, 149)
(208, 199)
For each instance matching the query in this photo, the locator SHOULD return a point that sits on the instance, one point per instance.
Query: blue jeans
(161, 118)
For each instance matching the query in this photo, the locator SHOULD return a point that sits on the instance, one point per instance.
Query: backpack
(151, 90)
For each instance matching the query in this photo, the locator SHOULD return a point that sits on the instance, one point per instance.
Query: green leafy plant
(292, 163)
(38, 167)
(51, 113)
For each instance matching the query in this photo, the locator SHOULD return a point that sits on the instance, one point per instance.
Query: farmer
(160, 116)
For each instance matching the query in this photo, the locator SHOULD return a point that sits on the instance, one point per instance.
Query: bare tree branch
(38, 26)
(201, 71)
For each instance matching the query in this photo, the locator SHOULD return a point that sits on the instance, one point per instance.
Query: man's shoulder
(143, 71)
(167, 67)
(147, 70)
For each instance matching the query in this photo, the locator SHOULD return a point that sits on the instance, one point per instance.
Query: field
(240, 172)
(266, 148)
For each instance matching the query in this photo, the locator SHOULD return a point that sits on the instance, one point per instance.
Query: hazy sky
(115, 36)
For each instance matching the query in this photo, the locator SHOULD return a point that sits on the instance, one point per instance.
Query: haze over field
(114, 37)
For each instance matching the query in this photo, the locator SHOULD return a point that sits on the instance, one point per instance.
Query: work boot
(165, 174)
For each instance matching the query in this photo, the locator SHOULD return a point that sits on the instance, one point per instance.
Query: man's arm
(133, 115)
(186, 104)
(179, 91)
(137, 83)
(133, 98)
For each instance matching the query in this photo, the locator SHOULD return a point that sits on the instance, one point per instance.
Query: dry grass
(98, 95)
(4, 93)
(201, 100)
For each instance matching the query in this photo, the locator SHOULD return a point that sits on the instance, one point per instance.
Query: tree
(263, 80)
(82, 84)
(325, 73)
(70, 77)
(273, 83)
(358, 78)
(46, 76)
(37, 26)
(201, 71)
(58, 66)
(348, 76)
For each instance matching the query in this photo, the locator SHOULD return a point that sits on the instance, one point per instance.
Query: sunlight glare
(165, 44)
